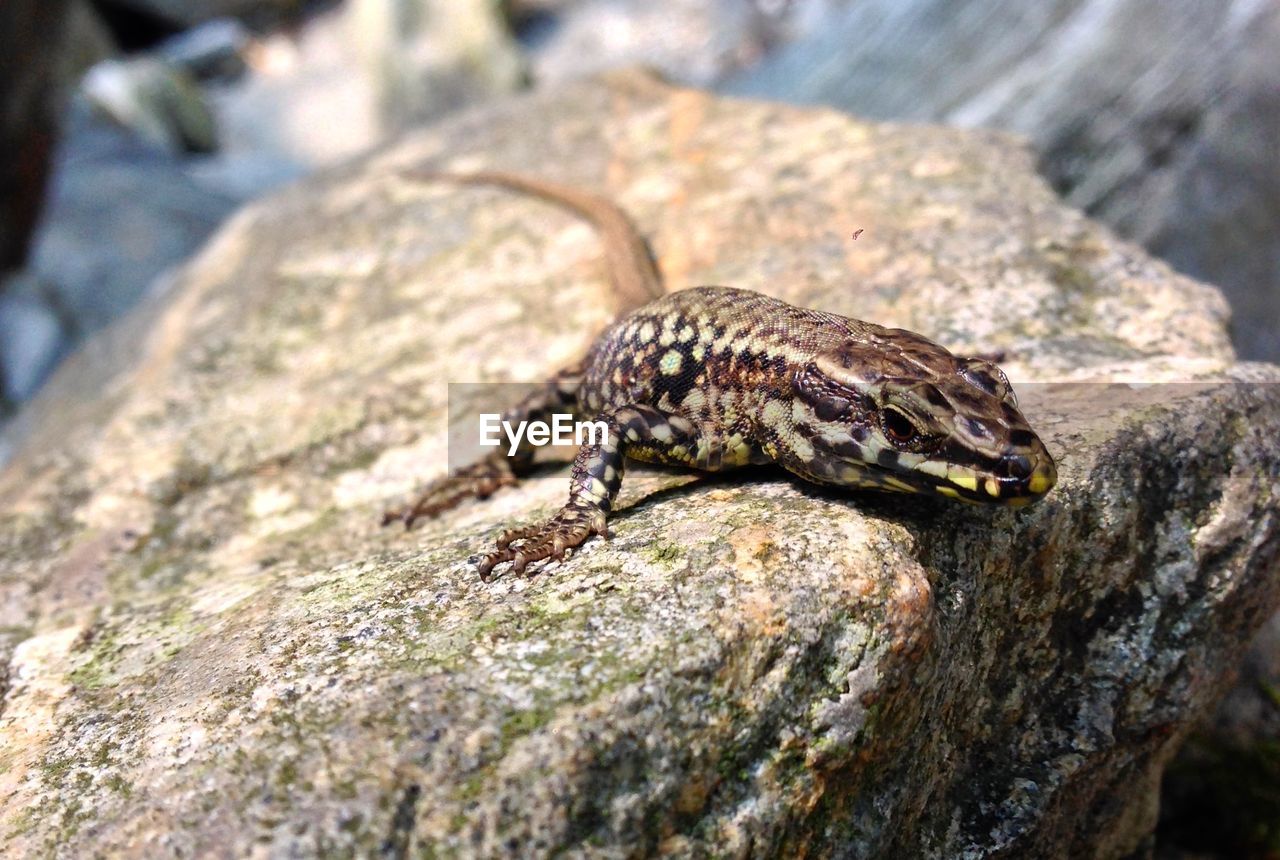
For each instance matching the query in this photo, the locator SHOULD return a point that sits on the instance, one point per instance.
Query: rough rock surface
(212, 649)
(1220, 794)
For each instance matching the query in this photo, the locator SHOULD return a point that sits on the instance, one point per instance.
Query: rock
(1160, 119)
(159, 102)
(299, 83)
(693, 41)
(359, 73)
(120, 212)
(32, 338)
(428, 57)
(214, 648)
(215, 49)
(46, 47)
(1219, 794)
(127, 201)
(123, 206)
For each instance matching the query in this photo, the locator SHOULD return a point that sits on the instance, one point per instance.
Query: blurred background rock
(1160, 119)
(130, 128)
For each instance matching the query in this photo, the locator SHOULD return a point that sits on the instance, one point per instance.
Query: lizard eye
(897, 426)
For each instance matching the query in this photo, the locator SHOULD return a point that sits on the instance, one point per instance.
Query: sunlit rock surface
(211, 648)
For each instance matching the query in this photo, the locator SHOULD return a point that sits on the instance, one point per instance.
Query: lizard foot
(477, 481)
(567, 529)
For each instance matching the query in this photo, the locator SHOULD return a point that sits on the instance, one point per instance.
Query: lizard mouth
(1015, 480)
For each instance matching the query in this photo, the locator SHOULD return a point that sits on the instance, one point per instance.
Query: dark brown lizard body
(714, 378)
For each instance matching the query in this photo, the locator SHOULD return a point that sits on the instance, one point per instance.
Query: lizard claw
(568, 529)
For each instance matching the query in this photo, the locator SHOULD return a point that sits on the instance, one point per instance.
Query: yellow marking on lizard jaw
(851, 475)
(949, 492)
(992, 486)
(968, 480)
(934, 468)
(1039, 483)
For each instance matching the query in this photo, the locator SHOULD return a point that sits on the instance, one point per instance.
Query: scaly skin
(714, 378)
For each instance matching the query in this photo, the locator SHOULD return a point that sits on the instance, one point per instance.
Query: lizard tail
(633, 271)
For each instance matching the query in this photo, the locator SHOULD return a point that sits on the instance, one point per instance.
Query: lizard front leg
(484, 477)
(636, 431)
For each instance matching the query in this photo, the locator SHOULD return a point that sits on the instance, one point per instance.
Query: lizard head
(898, 412)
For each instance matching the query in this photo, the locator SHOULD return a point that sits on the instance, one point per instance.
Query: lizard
(714, 378)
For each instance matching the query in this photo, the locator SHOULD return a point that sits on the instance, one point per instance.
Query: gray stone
(214, 49)
(213, 649)
(1218, 798)
(693, 41)
(429, 57)
(157, 101)
(32, 338)
(1158, 118)
(308, 102)
(46, 47)
(120, 213)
